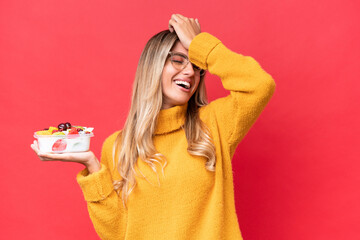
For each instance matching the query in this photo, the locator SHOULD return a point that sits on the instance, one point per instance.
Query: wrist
(93, 165)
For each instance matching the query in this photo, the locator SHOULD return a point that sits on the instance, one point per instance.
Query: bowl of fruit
(64, 138)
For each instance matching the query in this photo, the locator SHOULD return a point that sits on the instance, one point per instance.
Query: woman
(168, 174)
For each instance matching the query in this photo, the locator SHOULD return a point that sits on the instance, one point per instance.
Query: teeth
(186, 84)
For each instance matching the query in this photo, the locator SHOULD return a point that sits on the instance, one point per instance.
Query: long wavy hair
(135, 141)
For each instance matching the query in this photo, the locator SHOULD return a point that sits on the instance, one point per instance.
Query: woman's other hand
(185, 28)
(88, 159)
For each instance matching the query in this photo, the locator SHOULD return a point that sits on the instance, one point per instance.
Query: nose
(188, 70)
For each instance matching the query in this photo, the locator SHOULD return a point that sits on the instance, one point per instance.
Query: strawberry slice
(73, 131)
(59, 145)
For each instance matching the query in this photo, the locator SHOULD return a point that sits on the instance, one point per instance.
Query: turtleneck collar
(171, 119)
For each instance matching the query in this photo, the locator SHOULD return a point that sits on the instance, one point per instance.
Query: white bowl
(64, 143)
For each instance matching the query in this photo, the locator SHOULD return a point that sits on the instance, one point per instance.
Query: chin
(181, 102)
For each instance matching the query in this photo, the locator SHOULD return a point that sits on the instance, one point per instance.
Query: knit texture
(187, 201)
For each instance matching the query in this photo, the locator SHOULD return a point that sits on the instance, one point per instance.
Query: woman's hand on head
(88, 159)
(185, 28)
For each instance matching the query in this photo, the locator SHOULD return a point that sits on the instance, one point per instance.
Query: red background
(296, 173)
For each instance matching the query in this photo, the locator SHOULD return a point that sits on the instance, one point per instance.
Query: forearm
(237, 72)
(105, 207)
(108, 217)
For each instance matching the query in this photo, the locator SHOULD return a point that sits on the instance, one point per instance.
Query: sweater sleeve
(104, 205)
(250, 87)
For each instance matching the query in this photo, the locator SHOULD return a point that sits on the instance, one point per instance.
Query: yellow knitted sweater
(191, 202)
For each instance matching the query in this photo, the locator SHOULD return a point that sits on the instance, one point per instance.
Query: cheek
(167, 76)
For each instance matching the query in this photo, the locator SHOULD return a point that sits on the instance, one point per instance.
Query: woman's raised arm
(250, 87)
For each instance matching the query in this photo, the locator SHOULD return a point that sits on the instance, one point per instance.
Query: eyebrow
(180, 53)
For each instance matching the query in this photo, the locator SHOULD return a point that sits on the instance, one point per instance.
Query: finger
(181, 16)
(42, 155)
(176, 18)
(35, 147)
(45, 159)
(36, 144)
(193, 23)
(51, 159)
(171, 28)
(172, 24)
(55, 156)
(197, 22)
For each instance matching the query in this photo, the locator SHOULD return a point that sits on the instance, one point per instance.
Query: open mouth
(183, 84)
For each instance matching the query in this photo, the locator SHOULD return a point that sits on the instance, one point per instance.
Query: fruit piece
(51, 129)
(44, 132)
(59, 145)
(54, 131)
(73, 133)
(58, 133)
(87, 132)
(62, 126)
(68, 125)
(79, 129)
(73, 130)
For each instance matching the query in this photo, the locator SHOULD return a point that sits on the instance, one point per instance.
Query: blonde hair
(135, 140)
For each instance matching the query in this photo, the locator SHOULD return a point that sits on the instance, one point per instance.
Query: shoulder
(112, 138)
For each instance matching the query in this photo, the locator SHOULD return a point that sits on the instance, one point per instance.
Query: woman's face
(173, 90)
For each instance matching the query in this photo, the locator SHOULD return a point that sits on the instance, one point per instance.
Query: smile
(183, 84)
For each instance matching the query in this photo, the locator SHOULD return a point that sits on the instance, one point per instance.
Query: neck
(171, 119)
